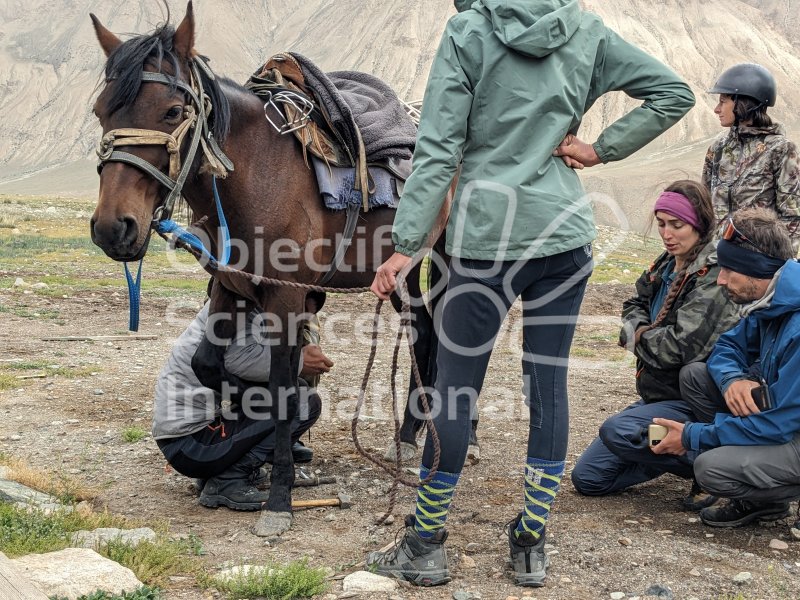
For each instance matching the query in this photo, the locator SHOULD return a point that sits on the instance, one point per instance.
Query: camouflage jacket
(750, 166)
(699, 315)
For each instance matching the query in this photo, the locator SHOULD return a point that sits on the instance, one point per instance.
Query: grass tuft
(67, 490)
(30, 531)
(133, 434)
(294, 580)
(154, 562)
(143, 593)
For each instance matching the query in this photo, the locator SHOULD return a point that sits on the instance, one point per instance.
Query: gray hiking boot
(528, 559)
(258, 478)
(238, 494)
(419, 561)
(234, 488)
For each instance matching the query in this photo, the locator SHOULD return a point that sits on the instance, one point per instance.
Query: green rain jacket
(510, 79)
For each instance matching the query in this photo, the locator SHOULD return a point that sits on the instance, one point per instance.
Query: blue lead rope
(164, 227)
(223, 226)
(134, 293)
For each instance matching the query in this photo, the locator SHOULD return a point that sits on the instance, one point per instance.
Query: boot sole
(763, 515)
(217, 501)
(420, 579)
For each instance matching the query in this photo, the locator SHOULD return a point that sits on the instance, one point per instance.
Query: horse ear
(108, 41)
(183, 42)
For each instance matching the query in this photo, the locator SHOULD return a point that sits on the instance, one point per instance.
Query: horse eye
(173, 113)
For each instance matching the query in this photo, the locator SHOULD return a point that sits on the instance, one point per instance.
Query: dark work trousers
(759, 474)
(621, 457)
(223, 443)
(478, 297)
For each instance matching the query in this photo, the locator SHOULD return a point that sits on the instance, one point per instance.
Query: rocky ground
(71, 421)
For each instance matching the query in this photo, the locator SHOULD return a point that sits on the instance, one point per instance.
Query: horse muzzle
(118, 237)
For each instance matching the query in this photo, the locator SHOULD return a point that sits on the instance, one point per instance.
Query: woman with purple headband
(674, 319)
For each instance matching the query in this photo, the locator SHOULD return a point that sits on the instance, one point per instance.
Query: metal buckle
(300, 103)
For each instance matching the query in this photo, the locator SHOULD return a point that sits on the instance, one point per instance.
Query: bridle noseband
(195, 119)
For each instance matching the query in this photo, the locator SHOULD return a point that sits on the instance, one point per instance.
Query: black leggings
(479, 295)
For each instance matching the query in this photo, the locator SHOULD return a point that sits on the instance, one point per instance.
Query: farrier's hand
(314, 361)
(386, 276)
(739, 398)
(672, 443)
(576, 153)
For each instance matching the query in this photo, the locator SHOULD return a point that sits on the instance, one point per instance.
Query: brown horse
(179, 124)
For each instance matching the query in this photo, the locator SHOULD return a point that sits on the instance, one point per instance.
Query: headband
(747, 262)
(678, 206)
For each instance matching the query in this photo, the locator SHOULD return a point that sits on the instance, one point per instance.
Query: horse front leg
(225, 313)
(276, 517)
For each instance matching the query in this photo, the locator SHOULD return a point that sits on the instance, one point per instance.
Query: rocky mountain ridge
(50, 64)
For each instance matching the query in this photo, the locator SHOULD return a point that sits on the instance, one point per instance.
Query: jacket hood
(532, 28)
(462, 5)
(783, 294)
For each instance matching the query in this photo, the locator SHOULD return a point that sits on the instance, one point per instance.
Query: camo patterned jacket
(700, 314)
(752, 166)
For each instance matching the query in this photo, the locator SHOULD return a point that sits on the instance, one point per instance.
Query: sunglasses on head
(731, 234)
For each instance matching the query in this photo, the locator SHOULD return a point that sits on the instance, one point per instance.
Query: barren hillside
(50, 65)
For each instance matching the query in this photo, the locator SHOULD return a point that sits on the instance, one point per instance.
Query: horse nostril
(129, 230)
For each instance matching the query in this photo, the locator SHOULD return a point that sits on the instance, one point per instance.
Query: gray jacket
(182, 404)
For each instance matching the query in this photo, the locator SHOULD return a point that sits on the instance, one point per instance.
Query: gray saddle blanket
(354, 97)
(336, 186)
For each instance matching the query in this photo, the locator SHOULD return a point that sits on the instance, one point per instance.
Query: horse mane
(125, 65)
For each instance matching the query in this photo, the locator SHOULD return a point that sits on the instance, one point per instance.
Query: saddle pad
(336, 186)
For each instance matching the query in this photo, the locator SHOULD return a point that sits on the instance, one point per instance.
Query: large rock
(75, 572)
(363, 581)
(14, 492)
(99, 537)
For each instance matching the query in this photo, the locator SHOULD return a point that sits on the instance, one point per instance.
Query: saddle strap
(344, 244)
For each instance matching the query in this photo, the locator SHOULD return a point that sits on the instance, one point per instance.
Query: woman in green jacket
(511, 79)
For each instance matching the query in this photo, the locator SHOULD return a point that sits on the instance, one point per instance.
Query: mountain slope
(50, 63)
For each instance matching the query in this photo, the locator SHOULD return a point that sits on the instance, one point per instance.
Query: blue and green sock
(433, 502)
(542, 482)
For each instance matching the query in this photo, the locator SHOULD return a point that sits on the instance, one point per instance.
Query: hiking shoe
(474, 447)
(528, 559)
(258, 478)
(407, 452)
(736, 513)
(301, 454)
(697, 499)
(414, 559)
(795, 530)
(238, 494)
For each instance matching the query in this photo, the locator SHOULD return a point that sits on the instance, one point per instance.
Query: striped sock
(542, 481)
(433, 502)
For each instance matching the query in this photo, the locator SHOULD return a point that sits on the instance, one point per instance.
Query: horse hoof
(407, 452)
(473, 454)
(271, 524)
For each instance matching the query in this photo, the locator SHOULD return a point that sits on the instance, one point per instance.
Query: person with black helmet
(752, 164)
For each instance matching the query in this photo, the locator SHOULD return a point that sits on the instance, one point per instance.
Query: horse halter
(195, 118)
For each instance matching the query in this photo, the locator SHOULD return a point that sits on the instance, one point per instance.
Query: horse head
(153, 112)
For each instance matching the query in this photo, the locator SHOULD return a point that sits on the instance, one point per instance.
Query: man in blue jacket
(750, 452)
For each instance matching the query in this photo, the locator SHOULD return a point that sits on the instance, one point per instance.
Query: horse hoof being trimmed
(271, 524)
(407, 452)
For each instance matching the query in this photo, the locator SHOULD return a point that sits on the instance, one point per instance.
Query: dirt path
(72, 424)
